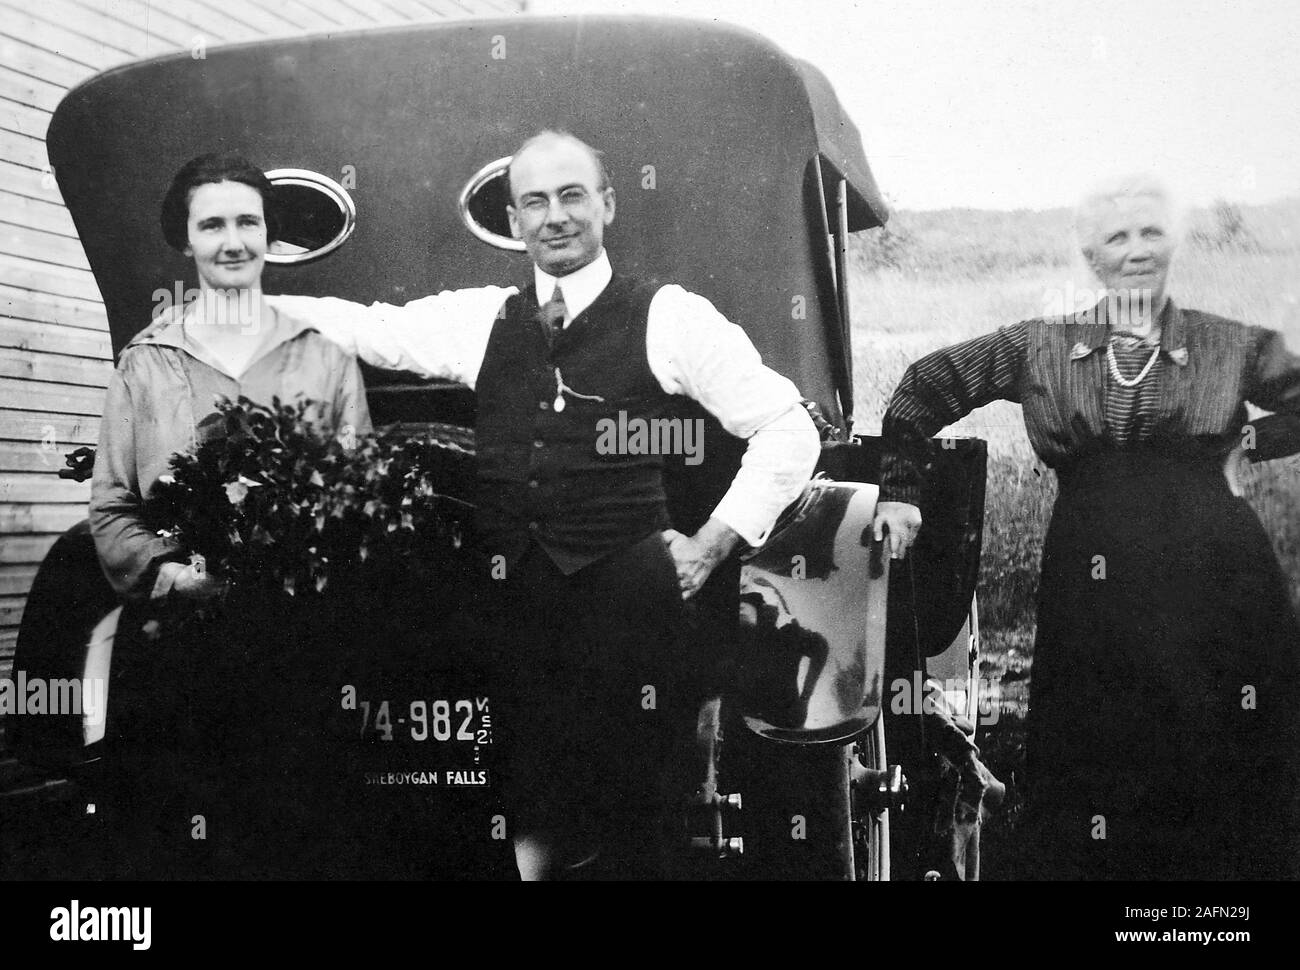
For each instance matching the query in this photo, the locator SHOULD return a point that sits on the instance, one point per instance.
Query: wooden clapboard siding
(186, 20)
(32, 457)
(89, 20)
(75, 342)
(43, 35)
(309, 15)
(76, 27)
(338, 13)
(403, 8)
(27, 304)
(28, 181)
(11, 610)
(42, 246)
(37, 63)
(269, 19)
(36, 214)
(31, 274)
(22, 149)
(23, 119)
(39, 487)
(164, 20)
(35, 365)
(380, 14)
(16, 580)
(21, 394)
(68, 430)
(54, 347)
(25, 89)
(42, 517)
(27, 550)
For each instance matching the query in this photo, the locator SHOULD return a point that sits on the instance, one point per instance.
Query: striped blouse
(1192, 402)
(1131, 411)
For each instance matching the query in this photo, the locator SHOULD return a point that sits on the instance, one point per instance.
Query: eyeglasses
(536, 204)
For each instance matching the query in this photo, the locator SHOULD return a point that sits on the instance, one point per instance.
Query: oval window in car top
(316, 215)
(483, 203)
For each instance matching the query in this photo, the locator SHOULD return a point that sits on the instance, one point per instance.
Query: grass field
(935, 278)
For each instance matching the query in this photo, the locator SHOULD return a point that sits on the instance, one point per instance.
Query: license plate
(426, 742)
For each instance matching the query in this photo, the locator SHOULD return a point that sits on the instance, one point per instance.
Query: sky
(1009, 104)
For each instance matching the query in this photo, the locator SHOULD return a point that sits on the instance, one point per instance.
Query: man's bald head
(549, 137)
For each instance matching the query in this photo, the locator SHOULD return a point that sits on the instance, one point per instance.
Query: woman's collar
(167, 329)
(1095, 326)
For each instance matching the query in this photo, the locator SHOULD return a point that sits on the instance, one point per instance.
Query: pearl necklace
(1114, 367)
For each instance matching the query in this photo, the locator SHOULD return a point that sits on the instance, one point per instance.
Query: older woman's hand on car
(902, 521)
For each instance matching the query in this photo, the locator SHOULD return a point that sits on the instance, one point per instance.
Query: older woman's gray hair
(1103, 194)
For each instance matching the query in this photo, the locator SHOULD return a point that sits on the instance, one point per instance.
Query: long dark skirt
(206, 746)
(1162, 732)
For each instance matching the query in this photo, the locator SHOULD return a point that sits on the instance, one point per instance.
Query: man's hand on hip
(697, 556)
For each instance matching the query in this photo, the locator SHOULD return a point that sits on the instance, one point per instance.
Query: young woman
(181, 774)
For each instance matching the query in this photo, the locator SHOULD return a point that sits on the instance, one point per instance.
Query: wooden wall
(55, 357)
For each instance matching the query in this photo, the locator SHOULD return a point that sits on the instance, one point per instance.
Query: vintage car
(740, 177)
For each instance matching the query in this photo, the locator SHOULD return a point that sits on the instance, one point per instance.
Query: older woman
(1162, 733)
(231, 341)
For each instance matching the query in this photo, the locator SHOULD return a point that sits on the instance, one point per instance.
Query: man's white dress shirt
(691, 349)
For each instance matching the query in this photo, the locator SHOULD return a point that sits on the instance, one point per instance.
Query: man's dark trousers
(596, 712)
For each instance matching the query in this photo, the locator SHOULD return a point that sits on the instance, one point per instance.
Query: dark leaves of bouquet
(272, 505)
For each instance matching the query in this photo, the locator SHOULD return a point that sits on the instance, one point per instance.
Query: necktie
(552, 315)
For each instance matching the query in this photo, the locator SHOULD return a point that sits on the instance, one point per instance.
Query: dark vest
(566, 478)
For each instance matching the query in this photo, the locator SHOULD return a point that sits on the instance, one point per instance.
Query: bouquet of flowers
(272, 505)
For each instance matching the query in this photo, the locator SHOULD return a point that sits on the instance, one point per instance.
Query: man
(591, 603)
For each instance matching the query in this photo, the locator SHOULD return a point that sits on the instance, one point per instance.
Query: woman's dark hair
(208, 169)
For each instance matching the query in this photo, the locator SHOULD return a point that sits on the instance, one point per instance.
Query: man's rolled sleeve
(694, 350)
(776, 467)
(443, 336)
